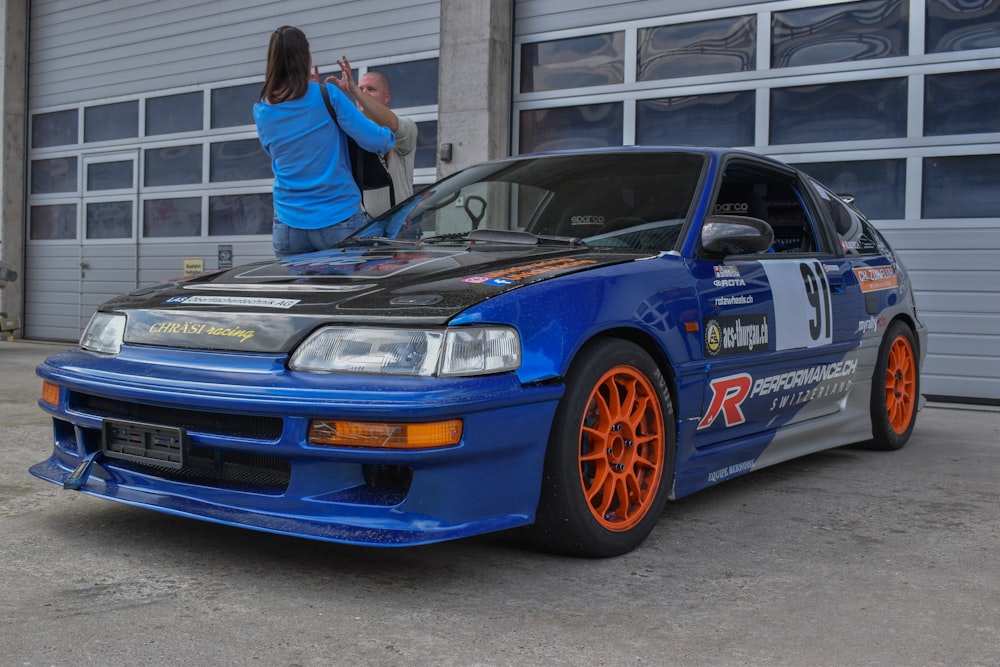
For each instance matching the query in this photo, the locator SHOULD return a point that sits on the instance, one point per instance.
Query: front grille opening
(390, 483)
(65, 436)
(227, 470)
(216, 423)
(385, 485)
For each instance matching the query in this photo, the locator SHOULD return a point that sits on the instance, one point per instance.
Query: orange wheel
(900, 385)
(609, 462)
(622, 448)
(895, 388)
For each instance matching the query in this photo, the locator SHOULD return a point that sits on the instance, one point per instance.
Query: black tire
(610, 457)
(895, 389)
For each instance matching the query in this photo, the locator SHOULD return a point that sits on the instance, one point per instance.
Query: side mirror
(735, 235)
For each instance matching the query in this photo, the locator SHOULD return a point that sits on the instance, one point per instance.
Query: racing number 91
(818, 296)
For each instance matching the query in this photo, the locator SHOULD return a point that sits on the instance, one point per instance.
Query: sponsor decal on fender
(729, 471)
(728, 276)
(804, 376)
(872, 324)
(724, 271)
(728, 394)
(875, 278)
(796, 387)
(515, 274)
(736, 335)
(742, 300)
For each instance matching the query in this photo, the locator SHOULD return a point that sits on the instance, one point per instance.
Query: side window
(875, 243)
(856, 234)
(773, 199)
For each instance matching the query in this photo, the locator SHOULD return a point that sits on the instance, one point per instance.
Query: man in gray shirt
(373, 94)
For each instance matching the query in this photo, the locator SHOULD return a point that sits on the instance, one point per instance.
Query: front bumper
(269, 478)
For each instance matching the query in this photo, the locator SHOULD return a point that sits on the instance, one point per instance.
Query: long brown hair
(288, 61)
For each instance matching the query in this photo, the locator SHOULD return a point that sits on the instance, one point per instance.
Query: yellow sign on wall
(194, 266)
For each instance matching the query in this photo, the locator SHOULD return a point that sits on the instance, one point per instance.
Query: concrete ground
(848, 557)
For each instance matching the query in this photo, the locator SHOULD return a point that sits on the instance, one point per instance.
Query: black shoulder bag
(369, 169)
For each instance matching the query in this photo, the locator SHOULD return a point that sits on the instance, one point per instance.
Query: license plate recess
(144, 443)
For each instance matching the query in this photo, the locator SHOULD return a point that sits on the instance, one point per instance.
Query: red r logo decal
(728, 394)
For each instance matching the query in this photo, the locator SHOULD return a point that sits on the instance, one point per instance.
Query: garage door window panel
(962, 103)
(109, 220)
(961, 26)
(562, 128)
(54, 175)
(176, 165)
(850, 111)
(239, 215)
(839, 33)
(576, 62)
(878, 186)
(115, 175)
(702, 48)
(723, 119)
(414, 83)
(57, 128)
(51, 222)
(426, 151)
(109, 122)
(171, 217)
(242, 160)
(232, 106)
(961, 187)
(175, 113)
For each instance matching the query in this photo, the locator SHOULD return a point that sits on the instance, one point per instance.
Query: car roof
(717, 153)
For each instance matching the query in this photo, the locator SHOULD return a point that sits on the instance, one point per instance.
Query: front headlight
(453, 352)
(104, 333)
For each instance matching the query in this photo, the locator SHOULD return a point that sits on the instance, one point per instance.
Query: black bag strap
(355, 155)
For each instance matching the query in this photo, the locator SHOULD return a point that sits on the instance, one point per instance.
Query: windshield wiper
(562, 240)
(503, 236)
(514, 237)
(374, 240)
(444, 238)
(510, 237)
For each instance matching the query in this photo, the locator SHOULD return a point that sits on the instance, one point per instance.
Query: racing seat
(740, 199)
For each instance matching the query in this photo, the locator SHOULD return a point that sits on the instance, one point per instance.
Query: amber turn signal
(384, 435)
(50, 393)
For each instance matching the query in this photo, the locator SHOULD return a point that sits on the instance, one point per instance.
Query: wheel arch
(649, 344)
(911, 324)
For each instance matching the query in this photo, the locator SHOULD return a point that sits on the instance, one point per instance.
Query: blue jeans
(288, 241)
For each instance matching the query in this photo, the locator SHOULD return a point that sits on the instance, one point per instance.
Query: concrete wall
(474, 81)
(13, 72)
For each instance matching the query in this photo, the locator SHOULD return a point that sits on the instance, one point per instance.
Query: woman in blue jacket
(316, 201)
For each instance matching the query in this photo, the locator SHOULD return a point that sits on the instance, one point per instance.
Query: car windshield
(618, 199)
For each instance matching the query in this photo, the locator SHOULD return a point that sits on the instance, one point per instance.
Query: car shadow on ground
(116, 526)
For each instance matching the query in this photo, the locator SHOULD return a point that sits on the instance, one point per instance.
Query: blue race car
(560, 342)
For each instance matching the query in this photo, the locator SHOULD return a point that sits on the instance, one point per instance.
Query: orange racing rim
(900, 384)
(622, 448)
